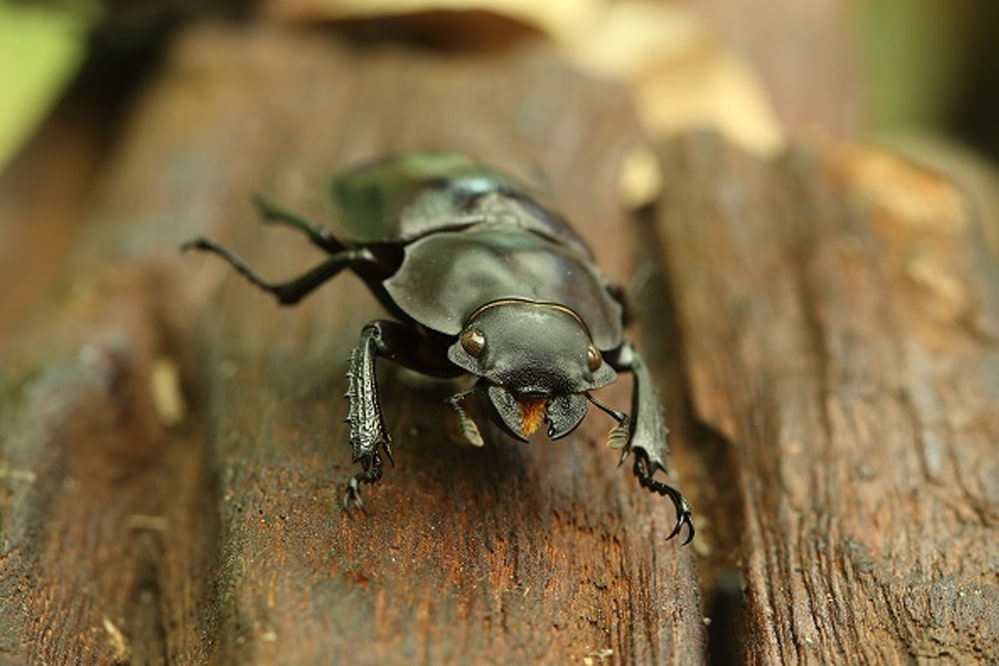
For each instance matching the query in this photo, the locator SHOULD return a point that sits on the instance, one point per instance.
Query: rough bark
(840, 316)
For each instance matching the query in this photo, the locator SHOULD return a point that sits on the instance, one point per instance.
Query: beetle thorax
(528, 348)
(536, 361)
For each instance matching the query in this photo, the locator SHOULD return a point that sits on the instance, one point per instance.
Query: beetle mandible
(482, 280)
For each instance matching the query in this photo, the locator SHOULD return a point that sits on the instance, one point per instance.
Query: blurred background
(856, 68)
(921, 76)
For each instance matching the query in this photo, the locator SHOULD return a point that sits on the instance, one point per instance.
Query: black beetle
(482, 280)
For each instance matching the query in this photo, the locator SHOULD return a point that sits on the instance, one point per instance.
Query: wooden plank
(839, 316)
(131, 535)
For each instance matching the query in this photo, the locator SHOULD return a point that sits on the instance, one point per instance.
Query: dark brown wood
(839, 316)
(131, 535)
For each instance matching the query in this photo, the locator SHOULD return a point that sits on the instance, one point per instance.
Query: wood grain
(839, 315)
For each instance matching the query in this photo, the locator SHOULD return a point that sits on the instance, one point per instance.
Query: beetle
(485, 281)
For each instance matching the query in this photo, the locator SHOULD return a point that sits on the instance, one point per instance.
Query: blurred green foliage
(42, 46)
(929, 66)
(912, 53)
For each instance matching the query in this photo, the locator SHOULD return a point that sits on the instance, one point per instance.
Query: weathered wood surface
(840, 324)
(831, 377)
(221, 537)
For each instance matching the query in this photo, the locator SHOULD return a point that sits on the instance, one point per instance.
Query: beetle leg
(274, 214)
(646, 437)
(369, 440)
(368, 437)
(291, 292)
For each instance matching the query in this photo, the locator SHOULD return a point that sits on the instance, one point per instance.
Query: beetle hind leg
(272, 213)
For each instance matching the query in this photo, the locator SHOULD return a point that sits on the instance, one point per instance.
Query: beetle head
(538, 362)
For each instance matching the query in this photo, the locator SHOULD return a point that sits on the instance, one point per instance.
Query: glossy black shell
(470, 236)
(404, 198)
(446, 276)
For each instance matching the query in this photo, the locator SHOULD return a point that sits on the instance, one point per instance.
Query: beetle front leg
(369, 440)
(368, 436)
(645, 435)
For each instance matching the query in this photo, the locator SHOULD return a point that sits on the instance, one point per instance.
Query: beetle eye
(473, 341)
(593, 358)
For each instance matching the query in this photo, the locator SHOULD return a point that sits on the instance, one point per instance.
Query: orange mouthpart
(532, 414)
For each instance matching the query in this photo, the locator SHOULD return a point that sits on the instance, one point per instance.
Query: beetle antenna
(618, 416)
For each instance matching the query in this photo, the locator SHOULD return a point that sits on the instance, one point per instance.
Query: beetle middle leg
(291, 292)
